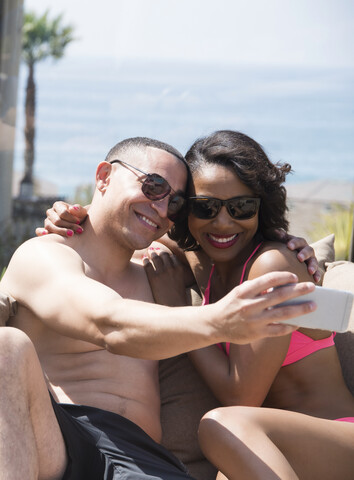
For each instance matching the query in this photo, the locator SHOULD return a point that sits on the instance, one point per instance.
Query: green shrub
(338, 220)
(2, 272)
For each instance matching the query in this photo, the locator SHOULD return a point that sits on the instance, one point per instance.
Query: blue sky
(272, 32)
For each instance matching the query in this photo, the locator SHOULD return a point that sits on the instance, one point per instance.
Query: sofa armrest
(340, 275)
(8, 308)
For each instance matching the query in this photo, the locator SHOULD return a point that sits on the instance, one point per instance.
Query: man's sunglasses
(239, 208)
(155, 188)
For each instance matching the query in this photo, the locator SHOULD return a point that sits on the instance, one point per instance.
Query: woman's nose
(223, 216)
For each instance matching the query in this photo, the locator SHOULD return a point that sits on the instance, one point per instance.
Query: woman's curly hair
(247, 159)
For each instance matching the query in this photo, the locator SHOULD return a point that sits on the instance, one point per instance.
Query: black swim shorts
(102, 445)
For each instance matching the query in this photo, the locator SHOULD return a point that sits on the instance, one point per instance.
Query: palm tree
(41, 38)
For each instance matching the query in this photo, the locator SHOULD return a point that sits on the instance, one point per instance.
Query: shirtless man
(85, 333)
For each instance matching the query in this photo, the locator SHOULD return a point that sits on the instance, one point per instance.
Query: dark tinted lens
(175, 205)
(243, 208)
(155, 187)
(204, 207)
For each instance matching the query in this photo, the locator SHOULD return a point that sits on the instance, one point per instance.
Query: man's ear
(103, 175)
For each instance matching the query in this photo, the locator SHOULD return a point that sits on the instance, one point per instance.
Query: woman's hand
(305, 253)
(63, 219)
(166, 277)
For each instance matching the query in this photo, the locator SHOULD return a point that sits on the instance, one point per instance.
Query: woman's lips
(222, 241)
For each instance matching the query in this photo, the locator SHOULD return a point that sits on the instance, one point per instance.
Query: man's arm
(48, 278)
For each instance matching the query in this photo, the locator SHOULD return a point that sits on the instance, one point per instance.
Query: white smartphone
(333, 312)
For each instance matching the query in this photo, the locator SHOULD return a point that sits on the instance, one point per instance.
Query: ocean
(84, 106)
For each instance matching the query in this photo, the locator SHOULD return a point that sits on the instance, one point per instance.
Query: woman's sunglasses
(239, 208)
(155, 188)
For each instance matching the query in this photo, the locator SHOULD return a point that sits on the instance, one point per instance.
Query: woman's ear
(103, 175)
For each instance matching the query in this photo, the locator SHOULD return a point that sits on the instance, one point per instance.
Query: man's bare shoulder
(37, 248)
(37, 259)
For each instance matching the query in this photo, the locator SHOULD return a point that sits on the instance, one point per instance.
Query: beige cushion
(8, 308)
(324, 251)
(340, 275)
(185, 398)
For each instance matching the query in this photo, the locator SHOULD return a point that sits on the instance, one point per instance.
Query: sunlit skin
(121, 219)
(223, 239)
(274, 388)
(302, 396)
(140, 221)
(252, 374)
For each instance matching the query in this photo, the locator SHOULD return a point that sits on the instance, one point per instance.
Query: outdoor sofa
(185, 397)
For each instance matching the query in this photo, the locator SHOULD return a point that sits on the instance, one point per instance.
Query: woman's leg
(220, 476)
(268, 444)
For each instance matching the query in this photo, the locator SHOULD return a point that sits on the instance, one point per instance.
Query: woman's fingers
(63, 219)
(306, 254)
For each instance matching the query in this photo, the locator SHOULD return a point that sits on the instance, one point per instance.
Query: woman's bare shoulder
(275, 256)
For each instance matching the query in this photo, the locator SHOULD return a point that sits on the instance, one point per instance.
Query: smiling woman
(237, 203)
(240, 165)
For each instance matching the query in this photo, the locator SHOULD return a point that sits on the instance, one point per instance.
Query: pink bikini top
(300, 344)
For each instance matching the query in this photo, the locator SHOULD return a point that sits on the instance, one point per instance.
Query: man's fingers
(263, 283)
(270, 290)
(286, 312)
(287, 292)
(279, 329)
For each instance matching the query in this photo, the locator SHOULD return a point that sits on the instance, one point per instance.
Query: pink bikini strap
(246, 262)
(206, 298)
(207, 290)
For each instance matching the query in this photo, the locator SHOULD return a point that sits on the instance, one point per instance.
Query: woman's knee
(213, 424)
(223, 415)
(236, 421)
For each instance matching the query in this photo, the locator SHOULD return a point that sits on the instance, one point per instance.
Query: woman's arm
(65, 219)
